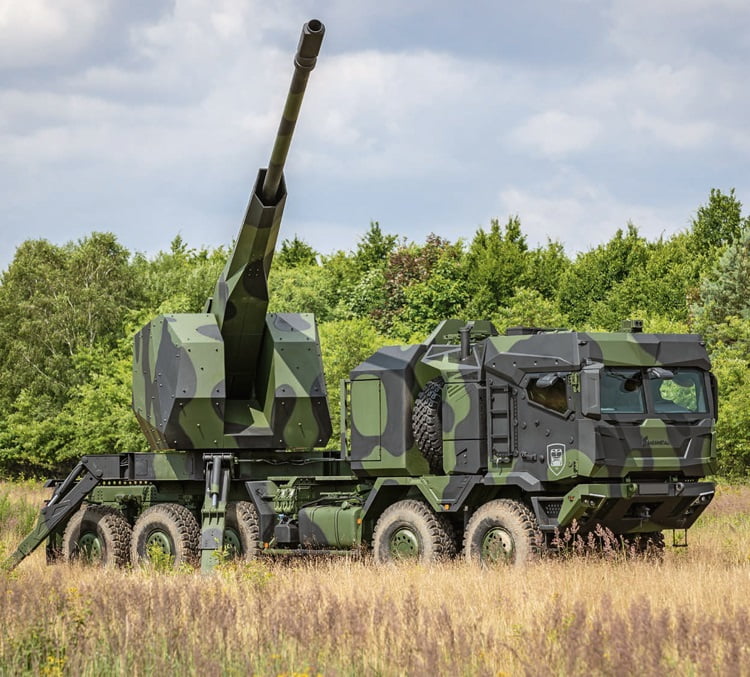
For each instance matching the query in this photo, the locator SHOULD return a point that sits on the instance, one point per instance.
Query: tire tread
(427, 424)
(438, 527)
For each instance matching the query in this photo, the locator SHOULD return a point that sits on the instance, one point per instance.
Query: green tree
(344, 344)
(414, 300)
(497, 263)
(724, 292)
(369, 295)
(303, 289)
(295, 252)
(439, 296)
(670, 278)
(545, 267)
(528, 308)
(730, 356)
(39, 437)
(596, 272)
(31, 437)
(717, 223)
(374, 248)
(179, 280)
(55, 301)
(104, 401)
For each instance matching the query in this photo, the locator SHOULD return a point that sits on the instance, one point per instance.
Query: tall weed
(596, 614)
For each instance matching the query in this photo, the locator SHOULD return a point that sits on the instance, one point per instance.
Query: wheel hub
(159, 543)
(404, 544)
(497, 546)
(232, 543)
(90, 547)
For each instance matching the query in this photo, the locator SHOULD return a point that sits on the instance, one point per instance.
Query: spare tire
(427, 424)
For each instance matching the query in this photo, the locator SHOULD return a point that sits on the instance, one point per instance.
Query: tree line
(68, 313)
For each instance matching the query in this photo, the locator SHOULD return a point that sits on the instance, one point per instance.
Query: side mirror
(547, 380)
(591, 404)
(715, 394)
(659, 372)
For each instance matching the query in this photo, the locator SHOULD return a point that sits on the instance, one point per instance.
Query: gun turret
(235, 377)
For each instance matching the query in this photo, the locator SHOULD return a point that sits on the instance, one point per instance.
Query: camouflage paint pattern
(240, 299)
(382, 395)
(241, 394)
(179, 394)
(235, 377)
(496, 439)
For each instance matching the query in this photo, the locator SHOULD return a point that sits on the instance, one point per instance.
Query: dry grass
(685, 615)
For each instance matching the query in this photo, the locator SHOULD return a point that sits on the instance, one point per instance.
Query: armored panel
(562, 429)
(654, 446)
(290, 382)
(178, 382)
(382, 438)
(464, 428)
(647, 350)
(368, 417)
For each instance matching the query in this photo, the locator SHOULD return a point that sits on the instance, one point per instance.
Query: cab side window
(552, 395)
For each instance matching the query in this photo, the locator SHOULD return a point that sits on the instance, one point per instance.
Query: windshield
(684, 392)
(666, 391)
(622, 391)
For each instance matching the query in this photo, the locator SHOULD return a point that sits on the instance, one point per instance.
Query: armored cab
(236, 377)
(622, 423)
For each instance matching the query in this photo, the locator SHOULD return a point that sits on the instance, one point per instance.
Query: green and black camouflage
(235, 377)
(467, 441)
(525, 415)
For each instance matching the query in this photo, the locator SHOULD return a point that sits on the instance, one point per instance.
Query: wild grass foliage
(594, 615)
(19, 506)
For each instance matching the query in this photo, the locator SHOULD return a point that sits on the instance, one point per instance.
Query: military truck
(469, 441)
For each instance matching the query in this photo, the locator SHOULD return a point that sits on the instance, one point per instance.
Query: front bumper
(631, 507)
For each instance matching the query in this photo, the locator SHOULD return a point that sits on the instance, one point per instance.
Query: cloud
(677, 30)
(148, 116)
(556, 133)
(388, 113)
(35, 32)
(581, 213)
(674, 133)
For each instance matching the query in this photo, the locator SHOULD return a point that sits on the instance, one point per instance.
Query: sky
(150, 118)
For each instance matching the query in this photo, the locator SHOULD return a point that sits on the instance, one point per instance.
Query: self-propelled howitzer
(468, 441)
(235, 377)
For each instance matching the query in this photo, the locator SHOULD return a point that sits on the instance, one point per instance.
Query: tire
(167, 530)
(427, 424)
(97, 535)
(502, 532)
(242, 531)
(410, 531)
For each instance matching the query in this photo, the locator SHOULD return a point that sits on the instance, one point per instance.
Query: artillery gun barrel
(240, 299)
(304, 61)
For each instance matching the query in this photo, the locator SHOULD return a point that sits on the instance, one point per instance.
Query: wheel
(504, 532)
(98, 535)
(167, 533)
(410, 530)
(649, 545)
(427, 424)
(242, 530)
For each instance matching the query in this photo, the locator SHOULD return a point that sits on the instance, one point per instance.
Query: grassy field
(578, 615)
